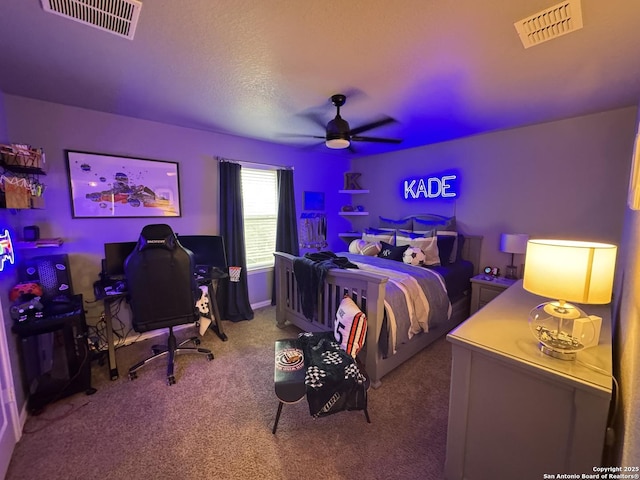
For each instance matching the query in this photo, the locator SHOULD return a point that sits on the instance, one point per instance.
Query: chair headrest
(157, 235)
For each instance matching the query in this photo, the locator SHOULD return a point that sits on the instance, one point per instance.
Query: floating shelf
(353, 192)
(42, 243)
(352, 214)
(21, 169)
(350, 235)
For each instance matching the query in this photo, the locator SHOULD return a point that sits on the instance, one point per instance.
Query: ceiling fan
(338, 133)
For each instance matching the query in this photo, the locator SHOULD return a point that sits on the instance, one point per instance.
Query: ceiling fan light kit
(337, 136)
(337, 143)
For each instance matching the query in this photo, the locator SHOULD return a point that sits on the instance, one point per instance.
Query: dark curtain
(287, 226)
(233, 297)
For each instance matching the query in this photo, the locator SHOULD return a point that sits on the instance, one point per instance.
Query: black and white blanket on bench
(332, 378)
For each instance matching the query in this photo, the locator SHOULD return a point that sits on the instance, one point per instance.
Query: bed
(372, 290)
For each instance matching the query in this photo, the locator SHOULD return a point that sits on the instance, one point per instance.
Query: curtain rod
(255, 164)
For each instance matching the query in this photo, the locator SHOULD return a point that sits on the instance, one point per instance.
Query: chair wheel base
(210, 357)
(133, 376)
(171, 380)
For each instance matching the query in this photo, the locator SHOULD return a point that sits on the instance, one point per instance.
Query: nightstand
(485, 288)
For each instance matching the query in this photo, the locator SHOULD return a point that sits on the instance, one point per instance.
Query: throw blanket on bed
(415, 297)
(333, 381)
(310, 271)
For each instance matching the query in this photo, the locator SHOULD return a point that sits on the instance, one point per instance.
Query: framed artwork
(313, 200)
(111, 186)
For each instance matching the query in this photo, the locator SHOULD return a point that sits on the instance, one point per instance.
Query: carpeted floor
(216, 421)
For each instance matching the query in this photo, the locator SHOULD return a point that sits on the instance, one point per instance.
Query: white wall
(627, 343)
(562, 179)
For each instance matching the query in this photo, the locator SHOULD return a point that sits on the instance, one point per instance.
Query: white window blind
(260, 204)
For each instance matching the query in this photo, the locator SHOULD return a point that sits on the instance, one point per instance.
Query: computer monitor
(207, 249)
(114, 256)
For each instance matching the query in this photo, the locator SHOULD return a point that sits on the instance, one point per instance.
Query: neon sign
(444, 186)
(6, 249)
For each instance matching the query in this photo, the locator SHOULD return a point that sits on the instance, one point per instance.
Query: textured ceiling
(259, 68)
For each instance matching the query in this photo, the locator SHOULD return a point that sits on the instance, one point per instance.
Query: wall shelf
(352, 214)
(42, 243)
(353, 192)
(22, 170)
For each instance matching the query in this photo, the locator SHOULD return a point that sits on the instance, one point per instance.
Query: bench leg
(275, 425)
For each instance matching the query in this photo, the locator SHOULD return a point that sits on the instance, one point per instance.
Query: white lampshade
(572, 271)
(337, 143)
(514, 243)
(567, 271)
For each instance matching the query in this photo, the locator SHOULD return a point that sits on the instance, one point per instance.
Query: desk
(109, 300)
(212, 286)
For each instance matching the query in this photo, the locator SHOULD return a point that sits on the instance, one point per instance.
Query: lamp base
(556, 354)
(552, 324)
(512, 272)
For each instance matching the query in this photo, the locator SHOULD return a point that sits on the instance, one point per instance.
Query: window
(260, 204)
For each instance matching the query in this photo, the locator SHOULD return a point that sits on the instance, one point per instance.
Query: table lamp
(513, 243)
(570, 271)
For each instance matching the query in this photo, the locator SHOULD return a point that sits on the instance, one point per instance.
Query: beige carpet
(216, 421)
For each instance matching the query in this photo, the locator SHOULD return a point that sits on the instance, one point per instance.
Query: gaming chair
(163, 292)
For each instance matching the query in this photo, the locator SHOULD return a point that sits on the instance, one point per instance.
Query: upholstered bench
(289, 375)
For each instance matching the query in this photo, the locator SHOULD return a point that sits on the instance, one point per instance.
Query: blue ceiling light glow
(6, 250)
(435, 186)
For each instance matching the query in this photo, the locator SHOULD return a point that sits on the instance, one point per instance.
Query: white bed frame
(359, 285)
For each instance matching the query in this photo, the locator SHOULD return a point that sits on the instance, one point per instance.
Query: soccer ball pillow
(350, 326)
(413, 256)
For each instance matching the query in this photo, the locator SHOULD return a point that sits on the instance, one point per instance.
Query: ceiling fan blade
(299, 135)
(357, 138)
(316, 118)
(372, 125)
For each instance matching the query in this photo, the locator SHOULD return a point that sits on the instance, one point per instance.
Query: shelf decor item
(570, 271)
(515, 244)
(22, 156)
(104, 186)
(351, 181)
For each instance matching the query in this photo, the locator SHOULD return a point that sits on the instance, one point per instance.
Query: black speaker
(31, 233)
(52, 273)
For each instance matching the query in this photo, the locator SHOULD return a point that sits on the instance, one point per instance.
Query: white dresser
(515, 412)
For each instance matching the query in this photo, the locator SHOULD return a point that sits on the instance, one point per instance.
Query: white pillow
(376, 235)
(428, 245)
(350, 326)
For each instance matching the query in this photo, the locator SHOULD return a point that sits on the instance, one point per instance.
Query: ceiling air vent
(563, 18)
(119, 17)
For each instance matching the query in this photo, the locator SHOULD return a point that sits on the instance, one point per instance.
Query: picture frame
(115, 186)
(313, 201)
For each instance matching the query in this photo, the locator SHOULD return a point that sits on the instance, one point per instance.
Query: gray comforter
(415, 298)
